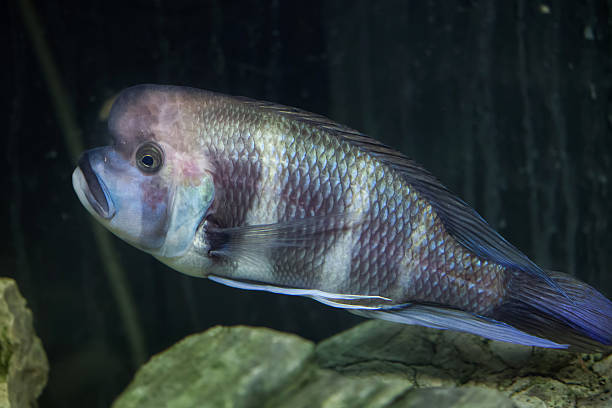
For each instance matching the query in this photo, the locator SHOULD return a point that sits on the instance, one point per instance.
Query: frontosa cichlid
(267, 197)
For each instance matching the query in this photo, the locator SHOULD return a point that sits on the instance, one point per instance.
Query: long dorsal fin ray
(460, 220)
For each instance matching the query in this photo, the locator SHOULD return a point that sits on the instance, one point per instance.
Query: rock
(237, 366)
(465, 397)
(375, 364)
(23, 363)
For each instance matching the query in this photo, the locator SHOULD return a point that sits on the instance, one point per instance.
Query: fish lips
(86, 182)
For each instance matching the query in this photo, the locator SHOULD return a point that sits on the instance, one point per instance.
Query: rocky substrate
(375, 364)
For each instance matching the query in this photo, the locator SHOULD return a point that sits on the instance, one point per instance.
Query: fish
(261, 196)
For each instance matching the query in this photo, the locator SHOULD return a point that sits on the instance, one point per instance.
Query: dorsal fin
(460, 220)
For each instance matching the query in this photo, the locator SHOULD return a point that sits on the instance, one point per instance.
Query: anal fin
(452, 319)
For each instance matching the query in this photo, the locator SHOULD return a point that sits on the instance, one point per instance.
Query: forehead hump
(144, 112)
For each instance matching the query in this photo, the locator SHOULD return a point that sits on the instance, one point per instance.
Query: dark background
(507, 102)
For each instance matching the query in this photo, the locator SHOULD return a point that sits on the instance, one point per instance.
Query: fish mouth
(87, 183)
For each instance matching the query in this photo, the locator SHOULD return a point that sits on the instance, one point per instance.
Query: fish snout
(90, 187)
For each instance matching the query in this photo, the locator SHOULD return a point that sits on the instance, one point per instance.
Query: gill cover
(188, 208)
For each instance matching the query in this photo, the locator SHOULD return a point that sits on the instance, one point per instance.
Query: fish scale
(443, 282)
(369, 274)
(300, 197)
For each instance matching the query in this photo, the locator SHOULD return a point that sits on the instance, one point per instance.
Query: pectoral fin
(253, 240)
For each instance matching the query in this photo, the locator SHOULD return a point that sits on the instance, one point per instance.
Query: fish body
(267, 197)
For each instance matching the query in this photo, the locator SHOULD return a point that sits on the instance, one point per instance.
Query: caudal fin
(582, 319)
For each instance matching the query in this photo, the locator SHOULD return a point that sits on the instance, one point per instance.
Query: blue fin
(585, 322)
(444, 318)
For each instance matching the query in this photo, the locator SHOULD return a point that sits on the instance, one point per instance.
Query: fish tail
(581, 317)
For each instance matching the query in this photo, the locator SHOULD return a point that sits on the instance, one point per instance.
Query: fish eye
(149, 157)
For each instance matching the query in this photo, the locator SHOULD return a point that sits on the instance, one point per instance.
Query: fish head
(153, 185)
